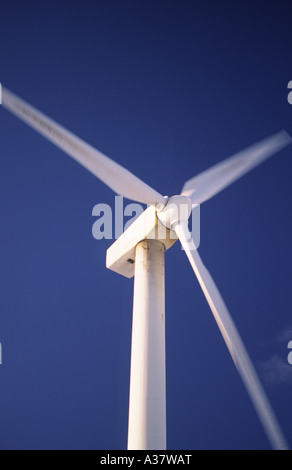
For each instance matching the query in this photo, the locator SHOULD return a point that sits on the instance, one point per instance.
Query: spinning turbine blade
(233, 341)
(120, 180)
(210, 182)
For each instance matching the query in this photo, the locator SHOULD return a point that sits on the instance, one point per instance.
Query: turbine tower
(140, 252)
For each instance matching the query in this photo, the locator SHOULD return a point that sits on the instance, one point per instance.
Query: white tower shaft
(147, 409)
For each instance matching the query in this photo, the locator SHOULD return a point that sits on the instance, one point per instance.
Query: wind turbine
(139, 252)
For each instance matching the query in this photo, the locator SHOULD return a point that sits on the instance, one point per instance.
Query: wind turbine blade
(210, 182)
(233, 341)
(120, 180)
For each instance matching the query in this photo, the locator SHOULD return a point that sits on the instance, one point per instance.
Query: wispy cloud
(285, 336)
(277, 371)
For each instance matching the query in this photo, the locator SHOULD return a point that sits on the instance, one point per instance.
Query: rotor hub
(177, 209)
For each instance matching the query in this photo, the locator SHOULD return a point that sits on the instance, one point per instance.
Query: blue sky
(167, 89)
